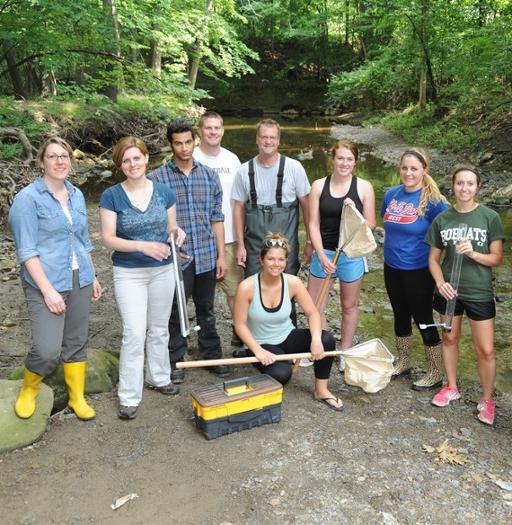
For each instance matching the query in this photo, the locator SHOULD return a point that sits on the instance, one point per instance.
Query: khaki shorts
(234, 273)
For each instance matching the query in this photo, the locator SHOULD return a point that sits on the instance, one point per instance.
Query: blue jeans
(201, 287)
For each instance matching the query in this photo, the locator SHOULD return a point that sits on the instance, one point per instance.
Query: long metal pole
(454, 283)
(180, 293)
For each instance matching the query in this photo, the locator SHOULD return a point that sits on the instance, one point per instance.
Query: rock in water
(16, 432)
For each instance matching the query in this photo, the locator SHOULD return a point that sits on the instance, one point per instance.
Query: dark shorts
(480, 311)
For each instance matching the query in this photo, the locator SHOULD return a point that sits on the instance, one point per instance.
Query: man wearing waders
(267, 192)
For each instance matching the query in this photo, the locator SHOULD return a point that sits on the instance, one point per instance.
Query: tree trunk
(156, 59)
(424, 36)
(422, 95)
(347, 21)
(112, 90)
(49, 84)
(18, 86)
(422, 33)
(198, 46)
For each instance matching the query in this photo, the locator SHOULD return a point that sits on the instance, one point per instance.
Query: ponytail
(429, 194)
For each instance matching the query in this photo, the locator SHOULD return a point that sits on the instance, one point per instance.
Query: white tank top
(74, 261)
(270, 325)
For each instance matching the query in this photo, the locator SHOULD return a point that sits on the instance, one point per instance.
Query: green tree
(107, 46)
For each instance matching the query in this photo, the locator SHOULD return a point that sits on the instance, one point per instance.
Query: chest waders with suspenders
(278, 217)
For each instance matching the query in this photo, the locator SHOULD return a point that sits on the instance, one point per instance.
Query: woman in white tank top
(262, 321)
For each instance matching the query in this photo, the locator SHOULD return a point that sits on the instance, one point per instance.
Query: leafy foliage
(89, 46)
(459, 50)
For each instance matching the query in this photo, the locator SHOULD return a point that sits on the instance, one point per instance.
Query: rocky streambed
(497, 179)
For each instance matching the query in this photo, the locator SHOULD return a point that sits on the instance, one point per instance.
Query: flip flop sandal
(325, 401)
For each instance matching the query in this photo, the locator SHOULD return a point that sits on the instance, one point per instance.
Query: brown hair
(124, 144)
(268, 122)
(274, 240)
(347, 145)
(53, 140)
(466, 167)
(430, 191)
(209, 114)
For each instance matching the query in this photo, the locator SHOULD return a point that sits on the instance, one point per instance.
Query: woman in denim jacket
(49, 222)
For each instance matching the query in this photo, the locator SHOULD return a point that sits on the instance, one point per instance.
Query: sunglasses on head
(272, 243)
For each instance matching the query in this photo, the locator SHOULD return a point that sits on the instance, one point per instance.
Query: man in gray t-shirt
(271, 202)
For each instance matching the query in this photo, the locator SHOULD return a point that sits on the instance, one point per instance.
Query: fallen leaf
(447, 453)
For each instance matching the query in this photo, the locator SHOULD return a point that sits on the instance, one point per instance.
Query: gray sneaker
(168, 390)
(126, 412)
(305, 362)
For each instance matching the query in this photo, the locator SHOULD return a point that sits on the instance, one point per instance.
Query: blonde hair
(53, 140)
(271, 123)
(430, 192)
(124, 144)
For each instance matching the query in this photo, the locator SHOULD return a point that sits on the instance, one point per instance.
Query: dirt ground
(365, 465)
(384, 460)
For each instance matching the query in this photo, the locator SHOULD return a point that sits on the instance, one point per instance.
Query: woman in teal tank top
(262, 321)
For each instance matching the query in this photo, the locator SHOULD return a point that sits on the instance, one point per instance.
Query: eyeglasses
(272, 243)
(54, 157)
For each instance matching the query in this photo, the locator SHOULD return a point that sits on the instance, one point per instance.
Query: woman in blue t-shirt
(408, 211)
(137, 217)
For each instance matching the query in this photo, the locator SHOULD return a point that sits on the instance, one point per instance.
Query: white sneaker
(305, 361)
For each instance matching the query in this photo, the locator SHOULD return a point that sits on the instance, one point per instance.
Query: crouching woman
(262, 320)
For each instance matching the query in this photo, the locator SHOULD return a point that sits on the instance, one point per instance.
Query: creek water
(309, 141)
